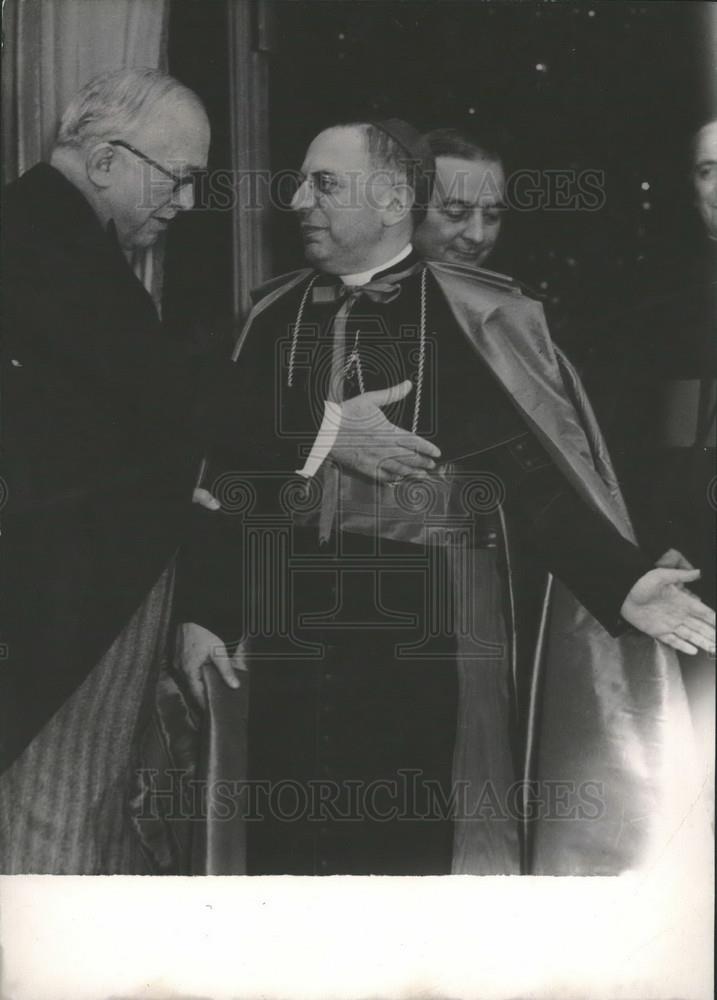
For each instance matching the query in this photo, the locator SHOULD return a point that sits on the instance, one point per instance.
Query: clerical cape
(567, 755)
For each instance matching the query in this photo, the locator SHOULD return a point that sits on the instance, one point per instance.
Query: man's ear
(99, 162)
(399, 204)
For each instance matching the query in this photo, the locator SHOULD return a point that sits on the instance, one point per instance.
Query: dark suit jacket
(102, 410)
(665, 453)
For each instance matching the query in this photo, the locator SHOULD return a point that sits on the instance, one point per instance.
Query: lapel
(50, 218)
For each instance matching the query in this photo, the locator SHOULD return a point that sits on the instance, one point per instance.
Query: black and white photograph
(357, 499)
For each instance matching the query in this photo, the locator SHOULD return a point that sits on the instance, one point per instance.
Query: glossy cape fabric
(608, 733)
(609, 715)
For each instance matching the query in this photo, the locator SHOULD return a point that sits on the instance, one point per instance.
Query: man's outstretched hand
(367, 443)
(660, 606)
(196, 647)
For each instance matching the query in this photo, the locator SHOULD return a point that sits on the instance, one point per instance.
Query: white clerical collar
(363, 277)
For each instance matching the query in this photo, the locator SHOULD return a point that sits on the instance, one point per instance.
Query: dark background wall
(198, 263)
(610, 86)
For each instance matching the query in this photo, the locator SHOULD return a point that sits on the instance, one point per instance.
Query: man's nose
(303, 196)
(474, 229)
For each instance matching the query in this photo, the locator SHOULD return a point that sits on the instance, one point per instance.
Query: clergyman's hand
(367, 443)
(661, 606)
(196, 647)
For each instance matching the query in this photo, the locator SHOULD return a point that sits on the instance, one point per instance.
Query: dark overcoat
(100, 411)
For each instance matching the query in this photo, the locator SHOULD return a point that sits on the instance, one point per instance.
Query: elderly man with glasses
(103, 427)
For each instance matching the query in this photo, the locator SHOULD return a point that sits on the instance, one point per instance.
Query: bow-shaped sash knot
(382, 290)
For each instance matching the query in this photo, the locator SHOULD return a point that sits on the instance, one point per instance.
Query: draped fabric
(51, 49)
(187, 804)
(609, 716)
(626, 755)
(609, 723)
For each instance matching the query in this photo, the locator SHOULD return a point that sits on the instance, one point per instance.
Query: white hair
(113, 103)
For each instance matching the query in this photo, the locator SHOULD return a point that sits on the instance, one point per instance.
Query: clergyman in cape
(414, 433)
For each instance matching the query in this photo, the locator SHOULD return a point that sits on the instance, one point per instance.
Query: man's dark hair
(695, 138)
(463, 144)
(397, 147)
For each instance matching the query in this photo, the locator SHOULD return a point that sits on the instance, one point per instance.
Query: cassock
(396, 682)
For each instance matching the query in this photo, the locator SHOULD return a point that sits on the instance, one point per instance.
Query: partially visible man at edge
(653, 376)
(490, 345)
(105, 415)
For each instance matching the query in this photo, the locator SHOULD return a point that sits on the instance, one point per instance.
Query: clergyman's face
(464, 216)
(705, 176)
(339, 202)
(142, 200)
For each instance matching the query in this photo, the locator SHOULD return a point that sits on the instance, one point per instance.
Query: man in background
(464, 216)
(101, 414)
(704, 176)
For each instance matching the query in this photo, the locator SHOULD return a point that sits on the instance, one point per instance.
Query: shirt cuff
(324, 440)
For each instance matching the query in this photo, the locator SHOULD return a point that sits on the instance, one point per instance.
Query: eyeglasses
(178, 180)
